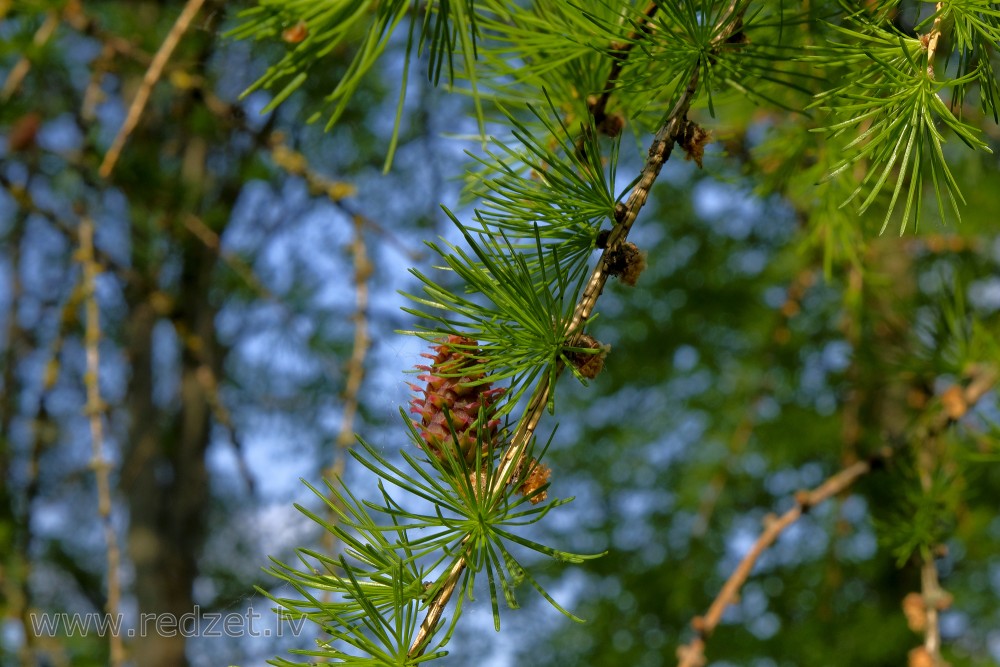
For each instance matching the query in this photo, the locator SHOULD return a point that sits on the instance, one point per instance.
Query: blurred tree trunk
(164, 475)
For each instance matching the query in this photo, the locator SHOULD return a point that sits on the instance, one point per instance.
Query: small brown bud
(915, 612)
(919, 657)
(601, 242)
(620, 211)
(936, 243)
(916, 398)
(738, 36)
(790, 308)
(953, 401)
(588, 363)
(943, 600)
(296, 33)
(22, 133)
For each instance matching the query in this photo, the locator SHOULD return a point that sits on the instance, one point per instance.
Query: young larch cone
(451, 395)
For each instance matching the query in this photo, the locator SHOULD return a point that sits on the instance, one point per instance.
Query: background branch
(95, 411)
(148, 81)
(692, 654)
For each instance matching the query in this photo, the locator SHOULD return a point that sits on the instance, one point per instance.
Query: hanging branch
(692, 654)
(24, 199)
(210, 238)
(362, 342)
(673, 129)
(15, 586)
(956, 401)
(95, 410)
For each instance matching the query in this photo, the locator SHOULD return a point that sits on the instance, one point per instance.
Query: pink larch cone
(449, 394)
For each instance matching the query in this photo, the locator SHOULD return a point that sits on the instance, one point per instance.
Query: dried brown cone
(693, 140)
(537, 477)
(589, 364)
(455, 392)
(626, 263)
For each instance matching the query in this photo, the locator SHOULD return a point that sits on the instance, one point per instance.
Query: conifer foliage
(878, 98)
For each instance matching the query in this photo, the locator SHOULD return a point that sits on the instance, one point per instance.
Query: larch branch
(668, 134)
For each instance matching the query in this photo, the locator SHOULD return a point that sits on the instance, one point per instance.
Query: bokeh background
(250, 265)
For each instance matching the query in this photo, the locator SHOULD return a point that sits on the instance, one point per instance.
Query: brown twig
(206, 377)
(933, 597)
(362, 341)
(669, 133)
(94, 410)
(23, 198)
(957, 400)
(148, 81)
(692, 654)
(74, 15)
